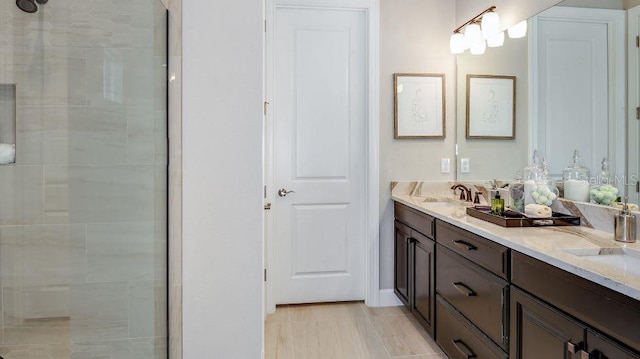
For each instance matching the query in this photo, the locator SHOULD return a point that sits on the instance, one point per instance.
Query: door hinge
(638, 187)
(265, 192)
(265, 26)
(265, 274)
(637, 41)
(266, 103)
(637, 113)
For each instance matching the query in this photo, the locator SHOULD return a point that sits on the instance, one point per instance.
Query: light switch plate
(465, 165)
(445, 165)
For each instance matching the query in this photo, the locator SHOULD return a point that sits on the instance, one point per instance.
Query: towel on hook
(7, 153)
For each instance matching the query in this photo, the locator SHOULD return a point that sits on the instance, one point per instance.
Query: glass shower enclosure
(83, 179)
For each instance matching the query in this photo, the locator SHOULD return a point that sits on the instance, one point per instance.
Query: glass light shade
(479, 48)
(472, 35)
(518, 30)
(496, 40)
(457, 43)
(490, 24)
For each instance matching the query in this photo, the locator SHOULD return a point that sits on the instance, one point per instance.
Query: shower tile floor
(49, 339)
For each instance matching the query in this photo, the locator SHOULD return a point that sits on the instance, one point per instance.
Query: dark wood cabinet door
(539, 331)
(423, 301)
(602, 347)
(401, 276)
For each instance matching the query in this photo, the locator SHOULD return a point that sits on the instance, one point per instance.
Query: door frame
(633, 102)
(372, 240)
(615, 22)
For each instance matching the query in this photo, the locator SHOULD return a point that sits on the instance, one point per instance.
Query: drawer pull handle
(465, 245)
(463, 349)
(462, 288)
(577, 348)
(572, 348)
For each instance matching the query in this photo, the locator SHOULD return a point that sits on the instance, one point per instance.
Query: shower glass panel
(83, 209)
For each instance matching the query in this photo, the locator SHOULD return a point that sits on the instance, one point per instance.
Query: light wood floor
(346, 331)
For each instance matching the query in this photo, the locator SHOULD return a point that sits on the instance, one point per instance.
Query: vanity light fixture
(490, 24)
(477, 32)
(496, 40)
(472, 35)
(479, 48)
(518, 30)
(457, 44)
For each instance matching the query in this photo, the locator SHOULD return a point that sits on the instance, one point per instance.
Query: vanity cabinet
(567, 316)
(458, 338)
(472, 294)
(490, 301)
(487, 254)
(476, 293)
(539, 331)
(415, 263)
(402, 244)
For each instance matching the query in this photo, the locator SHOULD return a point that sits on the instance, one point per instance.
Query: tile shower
(83, 225)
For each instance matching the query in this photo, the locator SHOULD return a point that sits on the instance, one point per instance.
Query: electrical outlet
(465, 165)
(445, 165)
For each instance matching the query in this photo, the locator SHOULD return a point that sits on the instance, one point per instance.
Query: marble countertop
(551, 245)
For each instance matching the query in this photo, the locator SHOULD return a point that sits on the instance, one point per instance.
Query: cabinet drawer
(486, 253)
(415, 219)
(480, 295)
(459, 339)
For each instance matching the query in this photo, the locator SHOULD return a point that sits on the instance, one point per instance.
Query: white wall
(598, 4)
(414, 37)
(222, 178)
(511, 12)
(628, 4)
(496, 159)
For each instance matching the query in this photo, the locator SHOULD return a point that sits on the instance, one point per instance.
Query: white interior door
(634, 103)
(578, 101)
(319, 112)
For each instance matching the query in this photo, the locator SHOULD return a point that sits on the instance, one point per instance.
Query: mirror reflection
(570, 95)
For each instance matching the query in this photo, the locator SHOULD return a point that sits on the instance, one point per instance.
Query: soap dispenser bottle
(497, 204)
(625, 225)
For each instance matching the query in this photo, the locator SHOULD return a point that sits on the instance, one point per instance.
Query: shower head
(29, 5)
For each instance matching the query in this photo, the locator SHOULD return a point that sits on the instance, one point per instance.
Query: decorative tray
(517, 219)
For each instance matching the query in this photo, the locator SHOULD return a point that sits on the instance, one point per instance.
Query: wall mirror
(568, 95)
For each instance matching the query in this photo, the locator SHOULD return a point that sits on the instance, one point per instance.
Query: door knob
(283, 192)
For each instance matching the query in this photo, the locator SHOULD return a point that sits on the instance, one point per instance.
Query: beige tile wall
(83, 211)
(175, 178)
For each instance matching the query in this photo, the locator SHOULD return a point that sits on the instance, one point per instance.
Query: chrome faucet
(465, 192)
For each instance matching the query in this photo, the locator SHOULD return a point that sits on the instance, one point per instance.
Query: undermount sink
(448, 203)
(626, 259)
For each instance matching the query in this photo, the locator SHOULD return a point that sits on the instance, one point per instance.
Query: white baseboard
(388, 299)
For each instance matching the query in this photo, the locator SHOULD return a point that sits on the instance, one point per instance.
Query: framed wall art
(491, 107)
(419, 104)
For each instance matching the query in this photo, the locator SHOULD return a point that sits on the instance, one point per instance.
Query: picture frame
(419, 106)
(491, 107)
